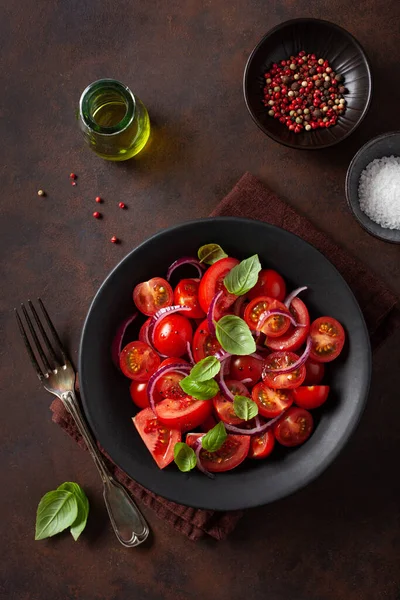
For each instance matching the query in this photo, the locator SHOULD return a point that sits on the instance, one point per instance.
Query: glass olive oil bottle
(114, 121)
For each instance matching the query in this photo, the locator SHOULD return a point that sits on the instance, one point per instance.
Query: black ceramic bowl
(105, 390)
(387, 144)
(328, 41)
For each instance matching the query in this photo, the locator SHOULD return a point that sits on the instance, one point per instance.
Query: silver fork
(58, 378)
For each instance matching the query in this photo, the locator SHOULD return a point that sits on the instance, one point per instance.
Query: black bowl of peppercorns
(307, 84)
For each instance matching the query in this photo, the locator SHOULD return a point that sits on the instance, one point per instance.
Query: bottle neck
(107, 107)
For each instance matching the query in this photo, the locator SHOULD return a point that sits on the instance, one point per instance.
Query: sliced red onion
(296, 365)
(116, 344)
(185, 260)
(160, 315)
(247, 380)
(199, 464)
(257, 356)
(223, 387)
(276, 312)
(176, 367)
(258, 429)
(189, 353)
(237, 306)
(211, 311)
(293, 294)
(222, 355)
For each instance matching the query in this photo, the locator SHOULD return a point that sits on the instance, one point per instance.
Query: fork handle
(128, 523)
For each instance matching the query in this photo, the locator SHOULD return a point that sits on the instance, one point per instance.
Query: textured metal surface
(337, 539)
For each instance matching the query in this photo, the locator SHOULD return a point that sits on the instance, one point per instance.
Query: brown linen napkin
(251, 199)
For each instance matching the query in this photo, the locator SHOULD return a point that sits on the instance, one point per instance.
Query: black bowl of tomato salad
(226, 382)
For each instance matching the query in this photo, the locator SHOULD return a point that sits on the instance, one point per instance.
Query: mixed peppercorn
(304, 93)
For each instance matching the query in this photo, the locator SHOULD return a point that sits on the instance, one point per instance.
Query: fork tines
(54, 362)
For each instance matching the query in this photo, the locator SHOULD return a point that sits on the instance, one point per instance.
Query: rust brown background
(339, 538)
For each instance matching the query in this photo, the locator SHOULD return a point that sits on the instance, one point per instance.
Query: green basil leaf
(243, 277)
(245, 408)
(201, 390)
(83, 507)
(57, 510)
(235, 336)
(206, 369)
(184, 457)
(210, 253)
(214, 438)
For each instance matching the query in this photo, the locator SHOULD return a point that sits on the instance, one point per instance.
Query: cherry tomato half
(327, 339)
(160, 440)
(138, 391)
(152, 295)
(310, 396)
(224, 410)
(315, 372)
(271, 402)
(232, 452)
(280, 360)
(213, 282)
(172, 334)
(168, 387)
(269, 283)
(295, 337)
(173, 361)
(138, 361)
(294, 427)
(246, 367)
(183, 413)
(275, 325)
(262, 444)
(187, 294)
(204, 344)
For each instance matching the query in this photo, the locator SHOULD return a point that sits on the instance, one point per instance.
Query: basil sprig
(184, 457)
(245, 408)
(235, 336)
(205, 369)
(210, 253)
(243, 277)
(200, 383)
(65, 507)
(215, 438)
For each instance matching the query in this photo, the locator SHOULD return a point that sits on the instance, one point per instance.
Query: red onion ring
(185, 260)
(296, 365)
(211, 311)
(257, 356)
(258, 429)
(271, 313)
(189, 353)
(221, 382)
(160, 315)
(293, 294)
(222, 355)
(177, 367)
(116, 344)
(199, 464)
(247, 380)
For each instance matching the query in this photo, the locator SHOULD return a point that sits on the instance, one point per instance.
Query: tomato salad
(226, 364)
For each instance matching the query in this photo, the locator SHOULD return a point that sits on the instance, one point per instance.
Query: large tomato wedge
(327, 339)
(160, 440)
(295, 337)
(138, 361)
(233, 452)
(246, 367)
(294, 427)
(280, 360)
(183, 413)
(152, 295)
(262, 444)
(138, 390)
(269, 283)
(213, 282)
(314, 372)
(310, 396)
(204, 344)
(187, 294)
(271, 402)
(172, 334)
(275, 325)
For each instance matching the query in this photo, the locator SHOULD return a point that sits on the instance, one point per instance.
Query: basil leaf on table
(201, 390)
(243, 277)
(184, 457)
(245, 408)
(205, 369)
(83, 507)
(57, 510)
(215, 438)
(210, 253)
(235, 336)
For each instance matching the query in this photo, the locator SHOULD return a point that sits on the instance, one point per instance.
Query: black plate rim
(231, 504)
(354, 201)
(255, 49)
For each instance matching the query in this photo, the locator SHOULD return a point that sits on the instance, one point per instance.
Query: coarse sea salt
(379, 191)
